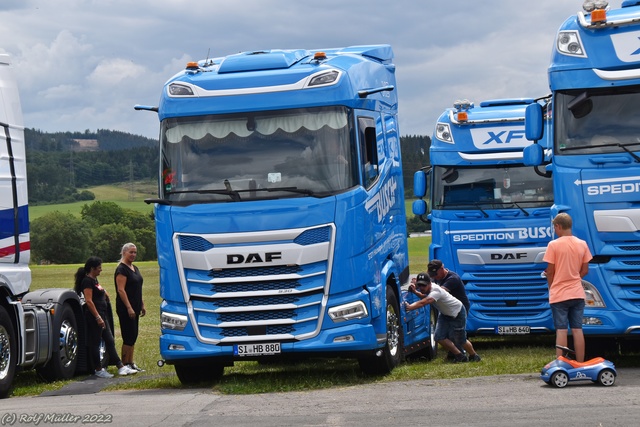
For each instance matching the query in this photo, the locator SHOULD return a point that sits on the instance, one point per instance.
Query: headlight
(568, 43)
(180, 90)
(443, 132)
(593, 297)
(323, 79)
(175, 322)
(353, 310)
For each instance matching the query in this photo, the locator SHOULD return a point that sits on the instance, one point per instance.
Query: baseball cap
(434, 266)
(422, 279)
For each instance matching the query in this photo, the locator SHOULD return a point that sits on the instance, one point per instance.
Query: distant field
(129, 196)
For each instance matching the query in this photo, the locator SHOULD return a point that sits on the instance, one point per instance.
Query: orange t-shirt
(567, 254)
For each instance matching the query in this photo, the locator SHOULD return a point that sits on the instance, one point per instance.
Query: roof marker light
(463, 116)
(599, 16)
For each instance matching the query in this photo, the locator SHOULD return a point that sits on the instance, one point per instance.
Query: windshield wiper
(234, 194)
(231, 193)
(289, 189)
(613, 144)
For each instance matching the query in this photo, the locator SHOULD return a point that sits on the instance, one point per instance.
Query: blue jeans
(453, 328)
(568, 313)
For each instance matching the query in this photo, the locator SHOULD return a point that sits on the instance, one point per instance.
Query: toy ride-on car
(559, 372)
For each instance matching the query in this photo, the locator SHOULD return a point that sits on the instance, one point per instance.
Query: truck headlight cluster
(353, 310)
(568, 43)
(175, 322)
(443, 132)
(593, 297)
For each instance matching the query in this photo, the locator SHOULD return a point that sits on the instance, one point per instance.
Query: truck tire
(8, 356)
(431, 352)
(195, 373)
(392, 351)
(64, 352)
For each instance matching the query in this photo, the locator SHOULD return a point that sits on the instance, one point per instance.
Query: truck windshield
(490, 187)
(262, 155)
(597, 121)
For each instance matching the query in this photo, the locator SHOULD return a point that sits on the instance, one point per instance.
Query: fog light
(176, 347)
(594, 321)
(345, 338)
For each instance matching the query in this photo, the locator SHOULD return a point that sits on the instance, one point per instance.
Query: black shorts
(128, 328)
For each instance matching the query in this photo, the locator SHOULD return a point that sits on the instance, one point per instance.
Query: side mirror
(419, 207)
(533, 155)
(533, 122)
(419, 184)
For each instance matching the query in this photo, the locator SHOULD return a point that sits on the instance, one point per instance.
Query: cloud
(83, 64)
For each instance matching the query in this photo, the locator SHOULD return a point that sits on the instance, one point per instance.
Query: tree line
(59, 173)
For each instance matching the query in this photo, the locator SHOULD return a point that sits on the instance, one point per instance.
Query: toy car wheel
(606, 377)
(559, 379)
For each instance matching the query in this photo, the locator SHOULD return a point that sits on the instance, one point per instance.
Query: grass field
(251, 377)
(129, 196)
(501, 355)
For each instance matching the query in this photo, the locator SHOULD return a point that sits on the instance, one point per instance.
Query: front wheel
(433, 344)
(8, 356)
(196, 373)
(559, 379)
(64, 352)
(392, 351)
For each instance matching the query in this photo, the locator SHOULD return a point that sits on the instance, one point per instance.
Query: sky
(83, 64)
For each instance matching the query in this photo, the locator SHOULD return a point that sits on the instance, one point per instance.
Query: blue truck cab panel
(594, 77)
(280, 219)
(490, 214)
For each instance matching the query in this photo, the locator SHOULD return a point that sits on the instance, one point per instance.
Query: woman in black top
(129, 303)
(96, 298)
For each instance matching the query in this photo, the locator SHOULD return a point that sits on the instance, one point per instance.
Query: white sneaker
(135, 367)
(102, 373)
(125, 370)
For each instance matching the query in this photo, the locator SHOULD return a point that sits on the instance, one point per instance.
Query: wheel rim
(393, 330)
(560, 379)
(432, 332)
(68, 343)
(103, 352)
(607, 378)
(5, 353)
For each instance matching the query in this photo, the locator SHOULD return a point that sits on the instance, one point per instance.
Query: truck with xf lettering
(44, 329)
(594, 78)
(489, 214)
(281, 227)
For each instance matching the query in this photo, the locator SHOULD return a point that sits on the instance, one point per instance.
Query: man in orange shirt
(568, 262)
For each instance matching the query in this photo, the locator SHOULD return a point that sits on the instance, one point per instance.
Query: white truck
(44, 329)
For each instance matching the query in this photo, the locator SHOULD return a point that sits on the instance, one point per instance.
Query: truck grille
(507, 295)
(256, 286)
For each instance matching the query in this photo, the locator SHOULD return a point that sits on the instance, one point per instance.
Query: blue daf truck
(281, 226)
(489, 214)
(594, 77)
